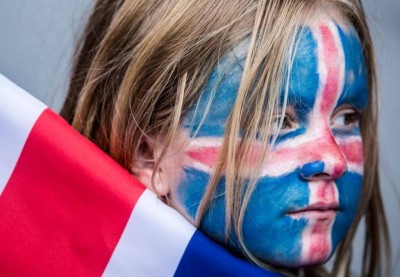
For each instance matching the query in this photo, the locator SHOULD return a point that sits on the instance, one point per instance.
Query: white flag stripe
(133, 257)
(24, 110)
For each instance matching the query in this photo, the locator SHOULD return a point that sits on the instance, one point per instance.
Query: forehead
(208, 117)
(307, 72)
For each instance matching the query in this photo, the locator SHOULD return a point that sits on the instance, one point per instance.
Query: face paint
(307, 196)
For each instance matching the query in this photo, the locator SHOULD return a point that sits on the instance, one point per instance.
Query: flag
(68, 209)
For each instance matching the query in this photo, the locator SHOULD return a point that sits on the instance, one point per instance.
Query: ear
(143, 167)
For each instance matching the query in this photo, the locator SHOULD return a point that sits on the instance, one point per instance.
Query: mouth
(322, 210)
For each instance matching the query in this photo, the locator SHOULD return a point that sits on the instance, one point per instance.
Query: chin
(316, 246)
(316, 251)
(317, 241)
(314, 259)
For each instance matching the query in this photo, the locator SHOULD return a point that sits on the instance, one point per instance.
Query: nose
(328, 163)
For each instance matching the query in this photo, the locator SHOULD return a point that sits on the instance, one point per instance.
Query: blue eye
(346, 119)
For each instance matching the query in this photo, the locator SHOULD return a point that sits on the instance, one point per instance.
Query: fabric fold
(68, 209)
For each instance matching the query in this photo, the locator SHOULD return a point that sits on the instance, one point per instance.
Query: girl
(256, 120)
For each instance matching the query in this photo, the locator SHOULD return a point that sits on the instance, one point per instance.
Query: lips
(318, 210)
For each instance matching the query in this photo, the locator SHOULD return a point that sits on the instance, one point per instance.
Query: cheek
(172, 166)
(198, 161)
(191, 189)
(349, 188)
(268, 231)
(352, 149)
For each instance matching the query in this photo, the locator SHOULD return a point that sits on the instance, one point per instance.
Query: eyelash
(289, 123)
(351, 118)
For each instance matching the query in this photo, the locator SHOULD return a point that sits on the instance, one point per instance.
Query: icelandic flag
(68, 209)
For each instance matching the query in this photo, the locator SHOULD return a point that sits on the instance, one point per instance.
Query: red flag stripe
(24, 113)
(67, 226)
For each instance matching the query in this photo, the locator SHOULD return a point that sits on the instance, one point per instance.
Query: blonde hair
(142, 64)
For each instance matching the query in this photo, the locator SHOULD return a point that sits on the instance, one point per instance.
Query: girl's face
(307, 196)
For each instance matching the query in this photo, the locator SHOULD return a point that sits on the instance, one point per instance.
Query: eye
(346, 119)
(287, 120)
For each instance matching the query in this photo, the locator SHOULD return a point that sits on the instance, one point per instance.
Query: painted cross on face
(307, 196)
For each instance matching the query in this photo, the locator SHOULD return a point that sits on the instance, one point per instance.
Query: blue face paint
(304, 77)
(220, 91)
(349, 187)
(356, 88)
(270, 231)
(345, 133)
(290, 135)
(311, 169)
(266, 225)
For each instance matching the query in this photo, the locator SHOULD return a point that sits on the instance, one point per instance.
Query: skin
(307, 196)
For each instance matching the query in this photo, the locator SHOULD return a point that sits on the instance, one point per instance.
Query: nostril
(318, 170)
(321, 176)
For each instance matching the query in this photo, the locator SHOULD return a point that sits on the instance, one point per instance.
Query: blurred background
(37, 38)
